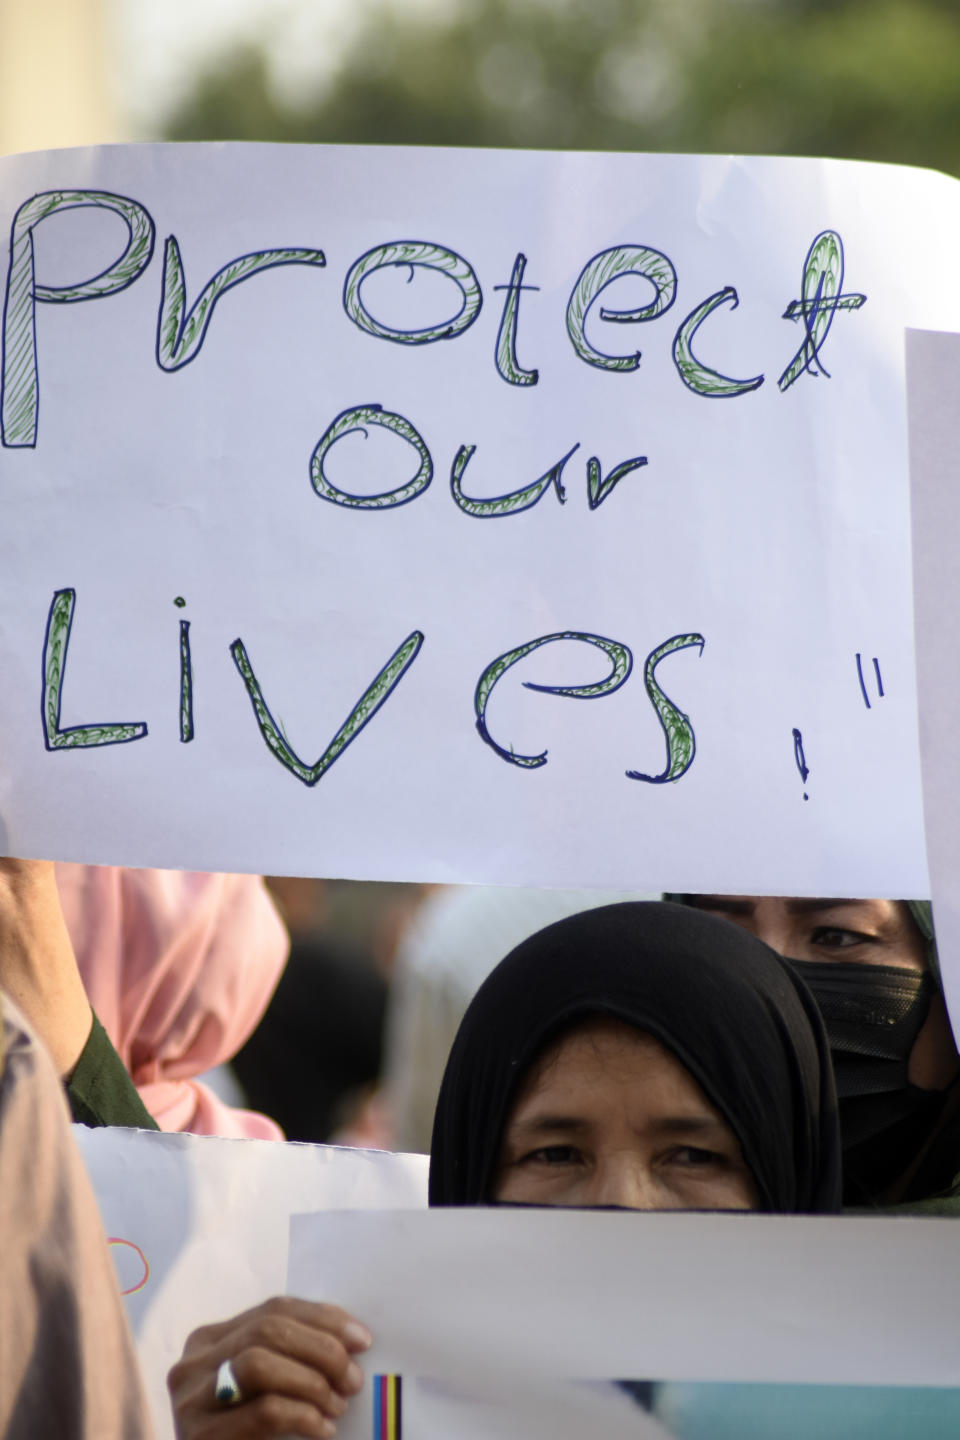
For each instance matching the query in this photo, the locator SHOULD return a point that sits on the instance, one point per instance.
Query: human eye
(695, 1157)
(552, 1155)
(835, 937)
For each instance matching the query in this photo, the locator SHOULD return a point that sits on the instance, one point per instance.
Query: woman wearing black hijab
(643, 1040)
(724, 1005)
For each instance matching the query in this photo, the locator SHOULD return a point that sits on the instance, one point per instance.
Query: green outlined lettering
(600, 486)
(677, 729)
(357, 419)
(376, 695)
(408, 254)
(55, 648)
(515, 500)
(187, 730)
(19, 372)
(821, 298)
(180, 334)
(621, 660)
(506, 352)
(698, 377)
(599, 272)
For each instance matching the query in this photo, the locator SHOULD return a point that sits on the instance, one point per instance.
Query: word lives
(676, 726)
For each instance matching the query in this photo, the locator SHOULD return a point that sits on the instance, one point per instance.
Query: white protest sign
(198, 1225)
(424, 1408)
(332, 476)
(494, 1302)
(933, 387)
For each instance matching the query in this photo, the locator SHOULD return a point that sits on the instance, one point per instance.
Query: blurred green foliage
(867, 79)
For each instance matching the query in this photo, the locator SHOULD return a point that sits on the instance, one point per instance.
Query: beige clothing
(68, 1369)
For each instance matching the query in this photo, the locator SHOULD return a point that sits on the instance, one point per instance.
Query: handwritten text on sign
(742, 499)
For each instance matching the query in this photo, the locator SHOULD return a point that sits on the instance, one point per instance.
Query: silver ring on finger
(226, 1390)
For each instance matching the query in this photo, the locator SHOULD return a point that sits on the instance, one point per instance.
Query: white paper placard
(198, 1225)
(372, 592)
(666, 1410)
(933, 388)
(498, 1303)
(673, 1296)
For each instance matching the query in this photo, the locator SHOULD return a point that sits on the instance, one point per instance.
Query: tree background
(864, 79)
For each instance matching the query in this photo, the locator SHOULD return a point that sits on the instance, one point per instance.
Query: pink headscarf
(179, 967)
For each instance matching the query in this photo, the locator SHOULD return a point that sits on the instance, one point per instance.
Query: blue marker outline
(666, 709)
(278, 744)
(863, 688)
(51, 691)
(695, 375)
(810, 310)
(210, 295)
(505, 350)
(386, 499)
(863, 685)
(621, 659)
(598, 487)
(186, 685)
(608, 266)
(800, 759)
(409, 254)
(512, 502)
(98, 286)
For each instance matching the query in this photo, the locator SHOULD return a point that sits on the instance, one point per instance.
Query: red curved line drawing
(132, 1289)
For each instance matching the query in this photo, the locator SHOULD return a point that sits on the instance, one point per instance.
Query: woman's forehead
(587, 1051)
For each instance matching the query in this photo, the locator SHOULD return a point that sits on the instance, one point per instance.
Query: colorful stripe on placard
(387, 1407)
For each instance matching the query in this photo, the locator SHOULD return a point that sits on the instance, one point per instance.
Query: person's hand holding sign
(38, 968)
(286, 1367)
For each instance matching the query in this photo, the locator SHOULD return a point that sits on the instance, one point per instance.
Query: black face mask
(873, 1015)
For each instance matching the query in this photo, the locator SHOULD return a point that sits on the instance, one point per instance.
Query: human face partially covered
(868, 932)
(608, 1116)
(864, 932)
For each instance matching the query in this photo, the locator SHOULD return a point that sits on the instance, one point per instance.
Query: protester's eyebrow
(728, 903)
(555, 1124)
(546, 1123)
(804, 907)
(689, 1124)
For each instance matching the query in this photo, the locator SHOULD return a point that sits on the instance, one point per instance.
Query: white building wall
(55, 74)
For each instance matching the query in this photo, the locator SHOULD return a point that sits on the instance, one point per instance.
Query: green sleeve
(100, 1090)
(937, 1205)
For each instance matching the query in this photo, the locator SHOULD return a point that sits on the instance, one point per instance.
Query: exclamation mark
(800, 758)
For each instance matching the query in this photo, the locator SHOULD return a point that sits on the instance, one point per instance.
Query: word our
(675, 724)
(180, 332)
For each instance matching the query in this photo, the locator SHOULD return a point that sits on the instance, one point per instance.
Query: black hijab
(726, 1005)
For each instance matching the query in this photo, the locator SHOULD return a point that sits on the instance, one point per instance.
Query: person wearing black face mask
(872, 966)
